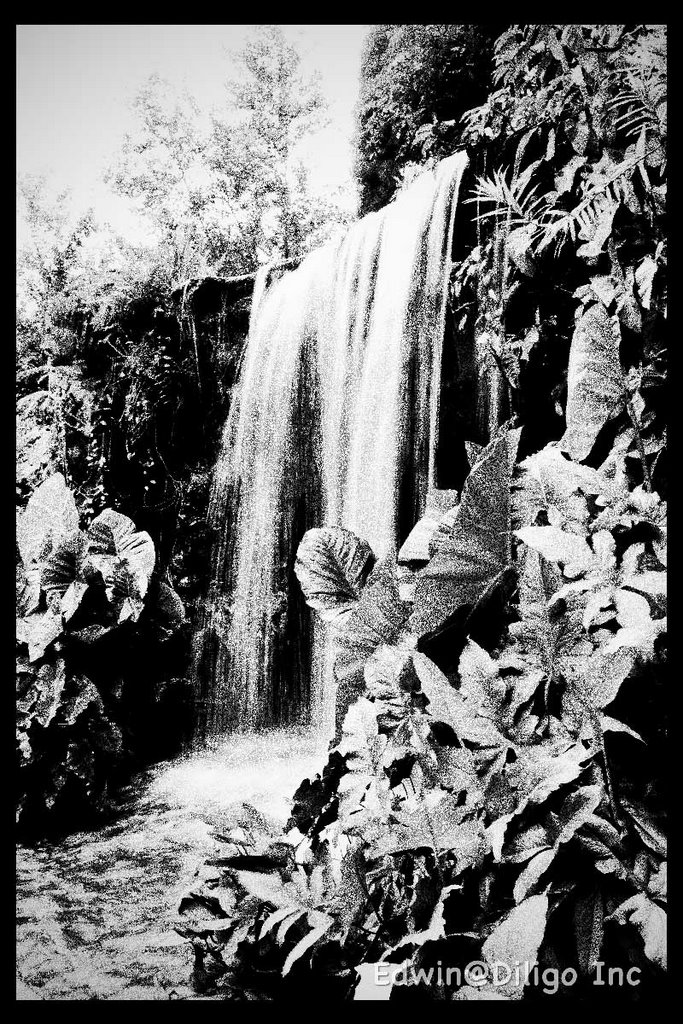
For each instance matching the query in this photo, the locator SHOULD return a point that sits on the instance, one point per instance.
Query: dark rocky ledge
(211, 295)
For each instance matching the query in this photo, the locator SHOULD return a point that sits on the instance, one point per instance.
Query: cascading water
(334, 422)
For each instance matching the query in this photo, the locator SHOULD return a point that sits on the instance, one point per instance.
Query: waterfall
(334, 421)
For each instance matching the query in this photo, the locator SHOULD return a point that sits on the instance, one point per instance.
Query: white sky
(75, 84)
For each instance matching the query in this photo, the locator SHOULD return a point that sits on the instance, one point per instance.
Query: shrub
(492, 807)
(91, 613)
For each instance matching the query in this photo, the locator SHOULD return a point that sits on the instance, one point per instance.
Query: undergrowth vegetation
(93, 619)
(503, 808)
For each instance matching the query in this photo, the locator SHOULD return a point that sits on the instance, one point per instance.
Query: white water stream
(334, 422)
(96, 911)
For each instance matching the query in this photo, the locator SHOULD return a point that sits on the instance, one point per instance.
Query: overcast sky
(75, 84)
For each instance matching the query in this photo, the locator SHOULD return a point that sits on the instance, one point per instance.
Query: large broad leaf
(568, 549)
(112, 547)
(438, 517)
(416, 547)
(72, 598)
(638, 630)
(650, 920)
(65, 563)
(27, 589)
(553, 484)
(61, 560)
(351, 894)
(532, 873)
(123, 592)
(49, 517)
(544, 632)
(592, 683)
(537, 772)
(647, 828)
(595, 381)
(38, 631)
(447, 705)
(50, 514)
(332, 565)
(577, 809)
(480, 682)
(474, 554)
(389, 680)
(441, 822)
(359, 729)
(541, 769)
(50, 681)
(389, 672)
(515, 943)
(378, 617)
(113, 539)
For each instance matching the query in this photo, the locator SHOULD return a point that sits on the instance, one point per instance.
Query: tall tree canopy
(412, 77)
(272, 107)
(229, 192)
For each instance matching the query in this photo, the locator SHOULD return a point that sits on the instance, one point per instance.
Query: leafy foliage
(472, 555)
(595, 381)
(475, 815)
(74, 590)
(416, 81)
(483, 798)
(579, 117)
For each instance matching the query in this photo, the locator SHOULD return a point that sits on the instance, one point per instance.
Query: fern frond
(516, 200)
(589, 208)
(632, 115)
(641, 91)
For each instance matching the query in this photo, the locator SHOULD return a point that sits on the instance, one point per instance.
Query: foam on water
(263, 769)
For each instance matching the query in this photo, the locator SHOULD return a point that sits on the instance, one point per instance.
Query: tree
(224, 198)
(163, 167)
(416, 81)
(48, 311)
(274, 107)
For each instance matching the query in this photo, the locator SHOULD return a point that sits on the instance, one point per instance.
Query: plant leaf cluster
(472, 815)
(77, 593)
